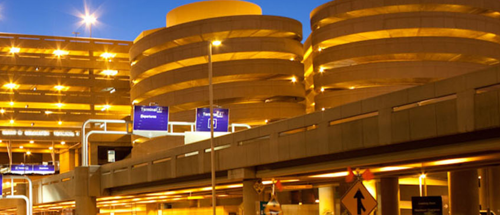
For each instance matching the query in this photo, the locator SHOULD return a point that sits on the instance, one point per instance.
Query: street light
(89, 20)
(211, 44)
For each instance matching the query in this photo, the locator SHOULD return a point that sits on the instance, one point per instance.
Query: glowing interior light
(2, 111)
(294, 79)
(105, 107)
(322, 109)
(62, 142)
(15, 50)
(59, 87)
(321, 69)
(331, 175)
(352, 88)
(11, 86)
(32, 141)
(50, 148)
(48, 112)
(216, 43)
(107, 55)
(21, 147)
(59, 104)
(60, 52)
(11, 103)
(11, 121)
(110, 72)
(60, 122)
(322, 89)
(28, 153)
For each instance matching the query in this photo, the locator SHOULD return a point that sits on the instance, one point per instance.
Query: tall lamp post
(211, 44)
(89, 20)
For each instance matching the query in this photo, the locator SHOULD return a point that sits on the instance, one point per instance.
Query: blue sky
(118, 19)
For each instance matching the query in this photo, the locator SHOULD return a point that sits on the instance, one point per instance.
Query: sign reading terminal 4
(221, 119)
(150, 121)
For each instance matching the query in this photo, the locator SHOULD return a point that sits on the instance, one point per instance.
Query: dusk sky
(118, 19)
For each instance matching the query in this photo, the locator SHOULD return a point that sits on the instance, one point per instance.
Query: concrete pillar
(490, 189)
(85, 203)
(21, 189)
(152, 209)
(326, 200)
(464, 192)
(250, 198)
(388, 196)
(67, 161)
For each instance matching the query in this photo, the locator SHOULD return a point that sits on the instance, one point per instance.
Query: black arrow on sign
(360, 196)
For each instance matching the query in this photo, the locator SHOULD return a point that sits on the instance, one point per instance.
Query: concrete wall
(253, 68)
(447, 107)
(361, 49)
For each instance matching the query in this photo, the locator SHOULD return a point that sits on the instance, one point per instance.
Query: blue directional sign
(150, 121)
(221, 119)
(21, 169)
(43, 169)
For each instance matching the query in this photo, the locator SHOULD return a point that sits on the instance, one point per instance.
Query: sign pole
(211, 98)
(9, 150)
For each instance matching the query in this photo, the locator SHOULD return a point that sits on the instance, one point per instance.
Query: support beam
(85, 203)
(389, 196)
(326, 200)
(250, 197)
(464, 192)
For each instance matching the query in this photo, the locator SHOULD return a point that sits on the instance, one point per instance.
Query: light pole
(211, 44)
(89, 20)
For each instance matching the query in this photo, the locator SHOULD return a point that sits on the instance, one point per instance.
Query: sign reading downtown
(150, 121)
(22, 169)
(221, 119)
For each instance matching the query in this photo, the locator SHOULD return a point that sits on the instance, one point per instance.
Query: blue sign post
(221, 119)
(1, 184)
(150, 121)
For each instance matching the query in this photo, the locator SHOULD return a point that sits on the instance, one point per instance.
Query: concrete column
(152, 209)
(21, 189)
(490, 189)
(85, 203)
(464, 192)
(388, 196)
(326, 200)
(250, 197)
(67, 161)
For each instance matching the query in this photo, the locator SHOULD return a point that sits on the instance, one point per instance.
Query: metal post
(90, 33)
(85, 144)
(212, 151)
(29, 200)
